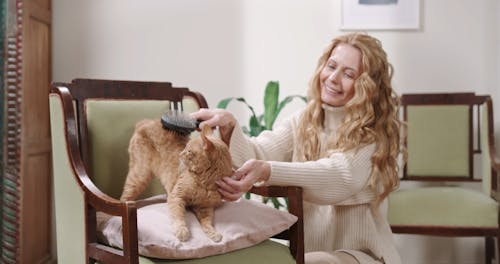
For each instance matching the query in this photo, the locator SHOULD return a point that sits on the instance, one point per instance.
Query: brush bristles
(179, 122)
(180, 119)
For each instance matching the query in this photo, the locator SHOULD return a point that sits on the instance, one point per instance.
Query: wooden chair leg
(489, 249)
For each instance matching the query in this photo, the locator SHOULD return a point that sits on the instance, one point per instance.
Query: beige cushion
(442, 206)
(241, 224)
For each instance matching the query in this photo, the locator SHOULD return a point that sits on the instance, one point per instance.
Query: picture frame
(380, 15)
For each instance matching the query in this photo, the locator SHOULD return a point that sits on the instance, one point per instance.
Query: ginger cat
(187, 169)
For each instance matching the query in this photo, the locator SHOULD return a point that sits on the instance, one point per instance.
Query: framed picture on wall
(380, 14)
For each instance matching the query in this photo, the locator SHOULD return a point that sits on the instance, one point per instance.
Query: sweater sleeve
(331, 180)
(274, 145)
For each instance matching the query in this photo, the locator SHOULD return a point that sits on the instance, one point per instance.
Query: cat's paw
(216, 237)
(182, 233)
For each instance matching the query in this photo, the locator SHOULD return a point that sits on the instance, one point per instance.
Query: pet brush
(180, 122)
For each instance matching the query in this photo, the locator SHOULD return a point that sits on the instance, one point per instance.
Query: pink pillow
(242, 224)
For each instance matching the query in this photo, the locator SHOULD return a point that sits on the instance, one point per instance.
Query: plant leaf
(271, 103)
(276, 202)
(255, 127)
(224, 102)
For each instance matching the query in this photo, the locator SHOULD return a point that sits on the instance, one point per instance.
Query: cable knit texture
(337, 210)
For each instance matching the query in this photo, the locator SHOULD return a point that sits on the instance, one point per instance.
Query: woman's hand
(217, 117)
(232, 188)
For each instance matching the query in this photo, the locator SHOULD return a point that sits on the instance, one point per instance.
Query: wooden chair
(91, 122)
(449, 141)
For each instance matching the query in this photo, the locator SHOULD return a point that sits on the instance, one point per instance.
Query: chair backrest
(107, 112)
(444, 131)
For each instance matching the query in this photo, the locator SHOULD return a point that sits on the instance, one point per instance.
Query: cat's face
(194, 156)
(202, 152)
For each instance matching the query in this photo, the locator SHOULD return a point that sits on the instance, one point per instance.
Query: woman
(342, 150)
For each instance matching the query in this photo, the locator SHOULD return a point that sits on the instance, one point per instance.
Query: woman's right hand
(217, 118)
(251, 172)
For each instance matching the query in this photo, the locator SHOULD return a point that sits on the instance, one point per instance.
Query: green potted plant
(264, 121)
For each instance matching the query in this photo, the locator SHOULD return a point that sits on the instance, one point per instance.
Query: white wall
(233, 47)
(187, 42)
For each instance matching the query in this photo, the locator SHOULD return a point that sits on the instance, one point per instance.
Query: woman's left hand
(252, 171)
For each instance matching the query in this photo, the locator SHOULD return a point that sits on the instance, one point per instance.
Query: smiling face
(338, 75)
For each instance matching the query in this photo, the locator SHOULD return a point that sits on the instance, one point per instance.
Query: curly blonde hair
(371, 115)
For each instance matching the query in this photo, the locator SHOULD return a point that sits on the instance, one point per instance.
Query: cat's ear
(205, 132)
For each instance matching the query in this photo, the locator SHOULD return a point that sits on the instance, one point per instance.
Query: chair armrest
(95, 200)
(296, 232)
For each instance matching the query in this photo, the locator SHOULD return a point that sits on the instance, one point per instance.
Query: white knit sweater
(337, 211)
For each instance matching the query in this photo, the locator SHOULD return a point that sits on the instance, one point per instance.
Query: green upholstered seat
(442, 206)
(267, 252)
